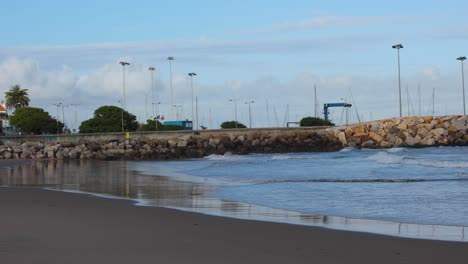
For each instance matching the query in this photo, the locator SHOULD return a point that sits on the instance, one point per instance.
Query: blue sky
(254, 50)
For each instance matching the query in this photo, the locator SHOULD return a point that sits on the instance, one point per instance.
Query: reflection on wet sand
(122, 179)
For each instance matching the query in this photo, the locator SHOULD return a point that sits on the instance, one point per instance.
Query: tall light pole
(177, 110)
(462, 59)
(63, 115)
(250, 112)
(123, 63)
(75, 126)
(58, 105)
(121, 118)
(191, 85)
(170, 59)
(152, 69)
(235, 109)
(398, 47)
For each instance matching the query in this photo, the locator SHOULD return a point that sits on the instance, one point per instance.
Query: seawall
(405, 132)
(167, 145)
(395, 132)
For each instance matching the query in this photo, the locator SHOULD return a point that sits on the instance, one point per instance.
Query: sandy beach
(41, 226)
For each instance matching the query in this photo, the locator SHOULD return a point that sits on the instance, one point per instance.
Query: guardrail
(75, 138)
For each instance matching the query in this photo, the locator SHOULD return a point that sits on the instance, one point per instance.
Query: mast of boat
(407, 100)
(433, 101)
(211, 120)
(276, 116)
(268, 113)
(315, 100)
(286, 116)
(419, 99)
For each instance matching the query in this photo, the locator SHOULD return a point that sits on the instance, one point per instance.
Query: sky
(271, 52)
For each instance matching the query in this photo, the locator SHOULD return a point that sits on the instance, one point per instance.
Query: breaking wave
(387, 158)
(362, 180)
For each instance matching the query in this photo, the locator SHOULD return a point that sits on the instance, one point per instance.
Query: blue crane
(326, 106)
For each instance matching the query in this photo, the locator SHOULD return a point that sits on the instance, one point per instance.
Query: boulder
(410, 141)
(342, 138)
(376, 137)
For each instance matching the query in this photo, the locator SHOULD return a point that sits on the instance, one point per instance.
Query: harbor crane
(326, 106)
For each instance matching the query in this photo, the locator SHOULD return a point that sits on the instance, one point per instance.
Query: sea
(408, 192)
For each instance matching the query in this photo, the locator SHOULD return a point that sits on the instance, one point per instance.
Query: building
(185, 124)
(4, 124)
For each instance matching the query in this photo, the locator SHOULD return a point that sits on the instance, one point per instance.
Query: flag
(159, 117)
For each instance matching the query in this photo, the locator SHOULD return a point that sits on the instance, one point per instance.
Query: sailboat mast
(419, 99)
(315, 100)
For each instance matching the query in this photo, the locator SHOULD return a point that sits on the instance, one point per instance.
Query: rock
(439, 132)
(376, 137)
(394, 130)
(410, 141)
(422, 132)
(385, 144)
(342, 138)
(368, 144)
(360, 131)
(182, 144)
(7, 155)
(460, 125)
(59, 155)
(398, 142)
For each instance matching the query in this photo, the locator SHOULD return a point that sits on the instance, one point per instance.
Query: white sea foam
(226, 157)
(282, 157)
(348, 149)
(387, 158)
(395, 150)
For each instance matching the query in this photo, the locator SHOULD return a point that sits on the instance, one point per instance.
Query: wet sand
(41, 226)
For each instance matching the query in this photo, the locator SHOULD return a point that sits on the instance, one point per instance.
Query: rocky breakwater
(142, 146)
(405, 132)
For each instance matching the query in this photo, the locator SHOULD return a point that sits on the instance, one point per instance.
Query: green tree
(232, 124)
(109, 119)
(16, 97)
(314, 121)
(35, 120)
(151, 126)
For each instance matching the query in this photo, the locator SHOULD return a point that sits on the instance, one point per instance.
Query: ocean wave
(395, 150)
(348, 149)
(361, 180)
(228, 156)
(387, 158)
(282, 157)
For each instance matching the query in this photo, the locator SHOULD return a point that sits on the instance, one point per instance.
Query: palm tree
(16, 97)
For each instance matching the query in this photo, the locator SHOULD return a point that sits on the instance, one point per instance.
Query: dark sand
(40, 226)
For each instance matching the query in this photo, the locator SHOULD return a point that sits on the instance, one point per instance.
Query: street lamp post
(63, 115)
(177, 110)
(250, 112)
(462, 59)
(191, 85)
(58, 105)
(75, 126)
(123, 63)
(398, 47)
(235, 109)
(122, 119)
(152, 69)
(170, 59)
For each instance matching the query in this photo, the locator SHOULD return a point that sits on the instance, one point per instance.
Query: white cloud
(104, 86)
(326, 22)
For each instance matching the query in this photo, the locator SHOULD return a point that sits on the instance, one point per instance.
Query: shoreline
(58, 227)
(180, 193)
